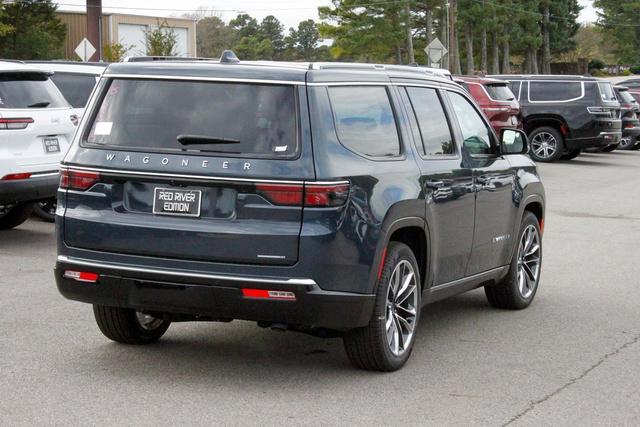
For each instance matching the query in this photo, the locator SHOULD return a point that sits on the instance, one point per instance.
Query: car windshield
(29, 90)
(499, 92)
(606, 91)
(169, 115)
(75, 87)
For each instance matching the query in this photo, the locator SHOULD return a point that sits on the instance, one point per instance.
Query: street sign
(85, 50)
(435, 51)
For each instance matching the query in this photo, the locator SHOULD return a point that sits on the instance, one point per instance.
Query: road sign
(85, 50)
(435, 51)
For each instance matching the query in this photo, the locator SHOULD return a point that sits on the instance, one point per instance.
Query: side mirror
(513, 141)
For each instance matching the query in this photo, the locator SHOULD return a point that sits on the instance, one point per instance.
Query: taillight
(326, 195)
(268, 294)
(603, 111)
(17, 123)
(315, 195)
(16, 176)
(81, 276)
(77, 180)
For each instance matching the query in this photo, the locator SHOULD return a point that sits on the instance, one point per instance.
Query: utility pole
(94, 27)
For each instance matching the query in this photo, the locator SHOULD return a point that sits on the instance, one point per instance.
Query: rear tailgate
(208, 171)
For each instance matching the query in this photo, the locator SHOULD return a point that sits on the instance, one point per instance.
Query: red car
(495, 98)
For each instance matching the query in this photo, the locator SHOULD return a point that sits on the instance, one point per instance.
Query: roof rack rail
(164, 58)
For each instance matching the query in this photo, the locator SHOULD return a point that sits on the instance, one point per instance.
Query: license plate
(51, 145)
(169, 201)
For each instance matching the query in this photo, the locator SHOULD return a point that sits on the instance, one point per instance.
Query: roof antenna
(228, 57)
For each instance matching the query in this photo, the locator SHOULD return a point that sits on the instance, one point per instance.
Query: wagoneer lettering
(274, 193)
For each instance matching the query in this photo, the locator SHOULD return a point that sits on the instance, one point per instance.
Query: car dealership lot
(572, 357)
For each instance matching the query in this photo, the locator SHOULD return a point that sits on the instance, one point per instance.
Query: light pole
(94, 27)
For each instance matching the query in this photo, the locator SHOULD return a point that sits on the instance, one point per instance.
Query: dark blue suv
(333, 199)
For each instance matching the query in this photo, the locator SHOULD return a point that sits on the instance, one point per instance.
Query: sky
(289, 12)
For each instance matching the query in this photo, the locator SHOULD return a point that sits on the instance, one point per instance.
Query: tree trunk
(398, 54)
(546, 50)
(495, 57)
(429, 29)
(468, 36)
(534, 61)
(483, 46)
(412, 57)
(454, 52)
(444, 36)
(506, 54)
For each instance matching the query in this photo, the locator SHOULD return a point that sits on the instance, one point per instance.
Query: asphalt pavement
(571, 358)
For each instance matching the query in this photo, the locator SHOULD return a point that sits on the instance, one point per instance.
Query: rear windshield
(29, 90)
(606, 91)
(499, 92)
(236, 119)
(625, 96)
(76, 88)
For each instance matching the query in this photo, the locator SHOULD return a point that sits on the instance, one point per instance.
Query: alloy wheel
(147, 321)
(402, 308)
(544, 145)
(529, 261)
(625, 142)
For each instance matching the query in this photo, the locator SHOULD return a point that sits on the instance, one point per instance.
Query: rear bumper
(215, 296)
(601, 140)
(38, 187)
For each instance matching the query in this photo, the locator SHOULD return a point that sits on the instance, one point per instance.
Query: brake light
(268, 294)
(17, 123)
(326, 195)
(81, 276)
(602, 111)
(316, 195)
(16, 176)
(77, 180)
(282, 194)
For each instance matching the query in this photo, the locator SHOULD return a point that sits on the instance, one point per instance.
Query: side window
(554, 91)
(432, 121)
(365, 122)
(515, 88)
(475, 133)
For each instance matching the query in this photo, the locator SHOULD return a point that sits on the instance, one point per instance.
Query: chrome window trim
(176, 273)
(200, 78)
(564, 101)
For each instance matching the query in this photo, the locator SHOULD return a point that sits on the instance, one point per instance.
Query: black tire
(45, 210)
(507, 294)
(637, 146)
(570, 155)
(626, 143)
(122, 325)
(15, 216)
(609, 148)
(558, 148)
(369, 347)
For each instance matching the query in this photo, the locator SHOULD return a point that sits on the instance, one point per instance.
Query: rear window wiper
(42, 104)
(204, 139)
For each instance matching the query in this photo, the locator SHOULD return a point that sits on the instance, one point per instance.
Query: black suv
(565, 114)
(629, 108)
(323, 198)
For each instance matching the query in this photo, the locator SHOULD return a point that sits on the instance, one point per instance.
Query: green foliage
(635, 69)
(619, 22)
(29, 29)
(213, 36)
(115, 52)
(596, 64)
(161, 40)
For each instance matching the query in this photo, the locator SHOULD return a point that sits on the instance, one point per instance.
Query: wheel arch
(557, 122)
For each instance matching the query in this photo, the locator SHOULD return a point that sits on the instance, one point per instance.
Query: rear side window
(76, 88)
(606, 91)
(29, 90)
(499, 92)
(554, 91)
(432, 121)
(365, 122)
(234, 119)
(625, 96)
(515, 89)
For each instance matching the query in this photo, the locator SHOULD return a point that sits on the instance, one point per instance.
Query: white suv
(36, 128)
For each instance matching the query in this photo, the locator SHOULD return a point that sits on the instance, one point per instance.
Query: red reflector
(268, 294)
(281, 194)
(81, 276)
(542, 226)
(75, 180)
(382, 260)
(16, 176)
(16, 123)
(319, 195)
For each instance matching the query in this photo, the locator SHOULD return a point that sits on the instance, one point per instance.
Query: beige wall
(77, 29)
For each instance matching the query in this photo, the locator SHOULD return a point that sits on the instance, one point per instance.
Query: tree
(213, 36)
(30, 29)
(161, 40)
(115, 52)
(271, 30)
(305, 39)
(618, 20)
